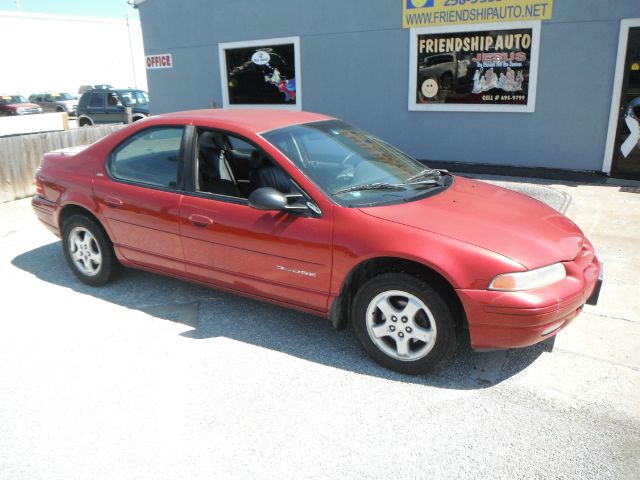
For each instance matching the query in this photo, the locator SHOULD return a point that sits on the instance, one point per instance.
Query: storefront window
(264, 73)
(474, 68)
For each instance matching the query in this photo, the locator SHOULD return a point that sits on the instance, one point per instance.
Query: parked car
(306, 211)
(108, 106)
(17, 105)
(55, 102)
(445, 68)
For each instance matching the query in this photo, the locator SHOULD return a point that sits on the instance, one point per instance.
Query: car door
(38, 99)
(96, 107)
(48, 105)
(282, 256)
(114, 109)
(139, 191)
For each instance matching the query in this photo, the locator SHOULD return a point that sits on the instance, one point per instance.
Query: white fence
(20, 156)
(41, 122)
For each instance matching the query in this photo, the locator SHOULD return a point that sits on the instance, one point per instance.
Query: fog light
(552, 328)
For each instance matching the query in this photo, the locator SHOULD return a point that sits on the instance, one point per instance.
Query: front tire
(88, 251)
(404, 324)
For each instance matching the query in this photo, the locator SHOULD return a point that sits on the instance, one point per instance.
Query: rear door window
(97, 100)
(153, 157)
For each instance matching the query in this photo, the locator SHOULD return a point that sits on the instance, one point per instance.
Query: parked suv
(17, 105)
(108, 106)
(55, 102)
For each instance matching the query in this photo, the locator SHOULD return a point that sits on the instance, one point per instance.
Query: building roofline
(66, 18)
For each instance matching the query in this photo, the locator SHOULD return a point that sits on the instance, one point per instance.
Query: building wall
(55, 52)
(355, 65)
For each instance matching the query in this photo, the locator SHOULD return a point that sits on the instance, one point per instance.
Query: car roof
(111, 90)
(254, 120)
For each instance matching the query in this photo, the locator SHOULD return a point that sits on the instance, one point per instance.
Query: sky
(90, 8)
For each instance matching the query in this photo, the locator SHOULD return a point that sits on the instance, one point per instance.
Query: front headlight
(540, 277)
(20, 110)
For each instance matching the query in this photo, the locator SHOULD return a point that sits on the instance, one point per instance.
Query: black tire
(85, 123)
(80, 259)
(437, 352)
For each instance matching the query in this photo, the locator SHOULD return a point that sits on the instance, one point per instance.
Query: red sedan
(308, 212)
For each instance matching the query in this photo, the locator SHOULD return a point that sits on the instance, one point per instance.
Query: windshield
(133, 97)
(353, 167)
(13, 99)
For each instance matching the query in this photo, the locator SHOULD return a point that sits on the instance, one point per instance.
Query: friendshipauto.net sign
(429, 13)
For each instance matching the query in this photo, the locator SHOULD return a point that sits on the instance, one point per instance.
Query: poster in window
(474, 68)
(264, 73)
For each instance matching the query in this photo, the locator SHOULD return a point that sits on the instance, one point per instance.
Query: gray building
(556, 91)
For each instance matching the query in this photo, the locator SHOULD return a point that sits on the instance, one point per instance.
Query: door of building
(626, 153)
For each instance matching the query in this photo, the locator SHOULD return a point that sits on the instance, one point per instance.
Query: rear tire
(404, 324)
(88, 251)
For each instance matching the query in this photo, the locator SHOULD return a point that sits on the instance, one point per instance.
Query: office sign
(431, 13)
(159, 61)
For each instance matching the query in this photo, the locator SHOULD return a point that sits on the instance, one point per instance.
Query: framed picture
(261, 73)
(474, 68)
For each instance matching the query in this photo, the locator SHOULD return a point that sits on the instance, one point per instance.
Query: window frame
(222, 58)
(534, 62)
(185, 147)
(192, 171)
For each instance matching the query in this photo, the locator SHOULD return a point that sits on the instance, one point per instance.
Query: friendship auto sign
(429, 13)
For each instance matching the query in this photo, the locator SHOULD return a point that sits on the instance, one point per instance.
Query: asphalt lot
(153, 378)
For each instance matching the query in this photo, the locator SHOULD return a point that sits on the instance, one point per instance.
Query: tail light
(39, 187)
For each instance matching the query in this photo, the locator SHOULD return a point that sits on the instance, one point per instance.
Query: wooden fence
(20, 156)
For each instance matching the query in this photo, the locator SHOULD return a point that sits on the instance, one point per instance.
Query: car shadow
(211, 313)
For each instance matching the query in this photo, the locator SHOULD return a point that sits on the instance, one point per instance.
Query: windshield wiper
(371, 186)
(427, 172)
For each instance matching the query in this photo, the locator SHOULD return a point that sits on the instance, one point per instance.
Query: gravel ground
(154, 378)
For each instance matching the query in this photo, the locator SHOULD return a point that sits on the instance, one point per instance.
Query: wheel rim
(401, 325)
(85, 251)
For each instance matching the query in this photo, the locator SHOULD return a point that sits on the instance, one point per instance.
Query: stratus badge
(296, 271)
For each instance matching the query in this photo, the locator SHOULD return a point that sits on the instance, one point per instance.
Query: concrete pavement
(155, 378)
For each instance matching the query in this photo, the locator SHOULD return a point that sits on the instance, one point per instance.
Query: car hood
(24, 105)
(505, 222)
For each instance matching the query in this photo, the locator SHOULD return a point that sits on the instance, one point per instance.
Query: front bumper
(519, 319)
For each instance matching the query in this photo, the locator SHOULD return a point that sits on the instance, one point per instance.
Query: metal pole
(133, 65)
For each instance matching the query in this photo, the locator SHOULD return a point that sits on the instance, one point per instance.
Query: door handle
(200, 220)
(113, 202)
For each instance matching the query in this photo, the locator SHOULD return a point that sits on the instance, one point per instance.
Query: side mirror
(267, 198)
